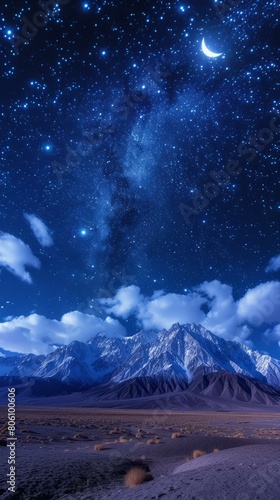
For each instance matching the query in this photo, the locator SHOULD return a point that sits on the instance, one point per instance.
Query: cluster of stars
(132, 88)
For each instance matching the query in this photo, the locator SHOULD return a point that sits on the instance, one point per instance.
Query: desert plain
(87, 453)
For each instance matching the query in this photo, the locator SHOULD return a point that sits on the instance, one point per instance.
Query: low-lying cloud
(39, 335)
(210, 304)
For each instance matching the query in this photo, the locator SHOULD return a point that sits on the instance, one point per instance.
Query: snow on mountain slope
(21, 366)
(184, 353)
(188, 350)
(90, 363)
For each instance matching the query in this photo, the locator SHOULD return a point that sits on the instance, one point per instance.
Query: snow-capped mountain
(20, 366)
(182, 353)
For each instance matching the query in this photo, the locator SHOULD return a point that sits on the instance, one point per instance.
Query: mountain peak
(182, 352)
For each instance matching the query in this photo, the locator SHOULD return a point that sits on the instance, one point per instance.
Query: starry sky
(112, 117)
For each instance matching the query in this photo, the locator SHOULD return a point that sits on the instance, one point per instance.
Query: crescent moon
(208, 52)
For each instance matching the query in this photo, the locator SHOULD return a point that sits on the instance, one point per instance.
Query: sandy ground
(56, 456)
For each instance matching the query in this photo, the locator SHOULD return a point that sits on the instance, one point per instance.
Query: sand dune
(243, 473)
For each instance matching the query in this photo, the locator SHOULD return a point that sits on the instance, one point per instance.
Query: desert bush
(123, 439)
(198, 453)
(150, 441)
(176, 435)
(136, 476)
(116, 430)
(99, 447)
(80, 435)
(215, 450)
(157, 441)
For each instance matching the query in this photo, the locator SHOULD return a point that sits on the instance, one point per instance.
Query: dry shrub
(123, 439)
(116, 430)
(136, 476)
(150, 441)
(198, 453)
(176, 435)
(99, 447)
(215, 450)
(157, 441)
(80, 435)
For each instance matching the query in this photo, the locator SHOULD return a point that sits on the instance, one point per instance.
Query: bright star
(83, 232)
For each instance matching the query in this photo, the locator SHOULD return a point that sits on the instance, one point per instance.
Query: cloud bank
(39, 229)
(15, 256)
(40, 335)
(210, 304)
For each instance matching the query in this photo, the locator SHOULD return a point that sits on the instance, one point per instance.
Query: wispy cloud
(15, 256)
(274, 264)
(39, 229)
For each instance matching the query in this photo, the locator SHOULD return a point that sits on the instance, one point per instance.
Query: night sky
(112, 117)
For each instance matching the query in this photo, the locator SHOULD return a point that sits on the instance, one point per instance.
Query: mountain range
(184, 359)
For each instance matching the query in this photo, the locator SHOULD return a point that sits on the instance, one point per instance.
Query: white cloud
(40, 230)
(221, 318)
(273, 335)
(125, 301)
(210, 304)
(15, 256)
(162, 312)
(261, 304)
(274, 264)
(40, 335)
